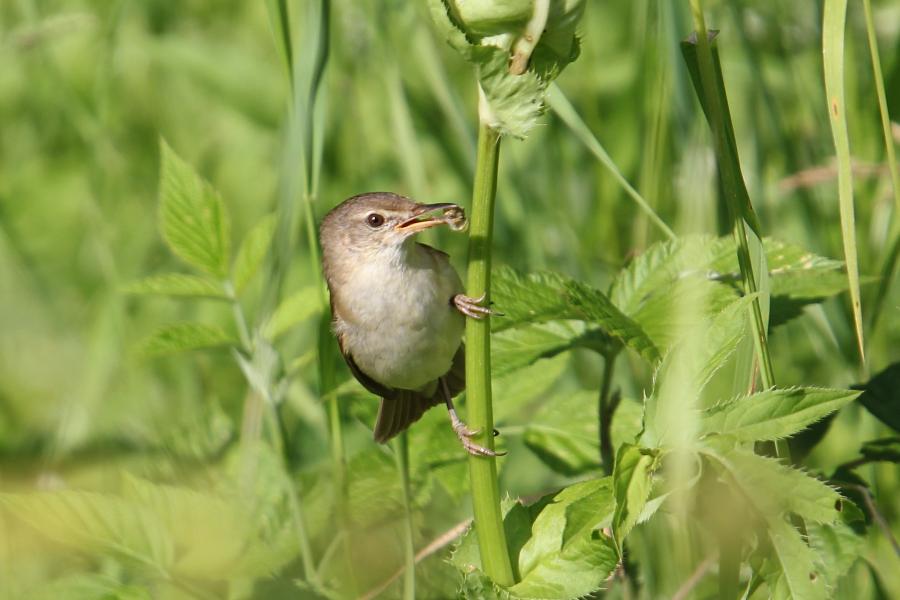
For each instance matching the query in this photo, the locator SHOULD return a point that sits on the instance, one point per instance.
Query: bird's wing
(405, 407)
(434, 251)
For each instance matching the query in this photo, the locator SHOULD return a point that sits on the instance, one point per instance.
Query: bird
(398, 308)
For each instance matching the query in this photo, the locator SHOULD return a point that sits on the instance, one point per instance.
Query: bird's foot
(464, 433)
(473, 307)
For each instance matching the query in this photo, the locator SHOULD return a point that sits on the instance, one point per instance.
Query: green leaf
(775, 489)
(880, 396)
(773, 414)
(531, 298)
(515, 394)
(513, 349)
(834, 19)
(292, 311)
(193, 217)
(566, 557)
(595, 307)
(838, 548)
(790, 571)
(177, 284)
(885, 449)
(632, 482)
(563, 433)
(252, 251)
(185, 336)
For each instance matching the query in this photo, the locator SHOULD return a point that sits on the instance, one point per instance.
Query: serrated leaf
(775, 489)
(292, 311)
(880, 396)
(515, 393)
(513, 349)
(252, 251)
(773, 414)
(563, 433)
(791, 569)
(632, 482)
(566, 557)
(670, 411)
(532, 298)
(838, 548)
(596, 308)
(185, 336)
(98, 523)
(177, 284)
(193, 218)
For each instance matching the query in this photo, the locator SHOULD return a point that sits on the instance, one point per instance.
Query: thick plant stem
(483, 469)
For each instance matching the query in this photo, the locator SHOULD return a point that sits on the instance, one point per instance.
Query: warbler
(398, 308)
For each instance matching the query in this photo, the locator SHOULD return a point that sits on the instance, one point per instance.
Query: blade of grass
(890, 262)
(834, 21)
(564, 109)
(401, 454)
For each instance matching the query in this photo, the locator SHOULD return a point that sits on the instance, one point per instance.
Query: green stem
(606, 409)
(729, 569)
(738, 201)
(401, 454)
(483, 469)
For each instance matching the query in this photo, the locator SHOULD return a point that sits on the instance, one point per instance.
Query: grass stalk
(483, 470)
(890, 262)
(401, 454)
(834, 21)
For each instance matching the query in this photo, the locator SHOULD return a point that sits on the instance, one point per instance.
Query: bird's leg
(462, 430)
(472, 307)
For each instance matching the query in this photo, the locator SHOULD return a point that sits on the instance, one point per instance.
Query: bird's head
(380, 221)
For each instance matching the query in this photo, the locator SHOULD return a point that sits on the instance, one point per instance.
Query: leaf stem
(605, 410)
(483, 469)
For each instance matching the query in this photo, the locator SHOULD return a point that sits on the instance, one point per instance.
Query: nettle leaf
(177, 284)
(775, 489)
(96, 523)
(563, 433)
(773, 414)
(687, 369)
(632, 482)
(252, 251)
(791, 570)
(880, 396)
(185, 336)
(531, 298)
(566, 556)
(292, 311)
(595, 307)
(885, 449)
(515, 394)
(658, 267)
(838, 548)
(193, 217)
(513, 349)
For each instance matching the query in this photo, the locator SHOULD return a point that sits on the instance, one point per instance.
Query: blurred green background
(88, 88)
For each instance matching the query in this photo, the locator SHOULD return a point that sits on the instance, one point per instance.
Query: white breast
(400, 325)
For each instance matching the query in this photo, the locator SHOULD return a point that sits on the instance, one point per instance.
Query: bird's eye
(374, 220)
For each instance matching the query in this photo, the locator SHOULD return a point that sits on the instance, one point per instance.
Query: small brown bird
(397, 308)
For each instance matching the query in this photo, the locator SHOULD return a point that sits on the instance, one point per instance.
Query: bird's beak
(421, 219)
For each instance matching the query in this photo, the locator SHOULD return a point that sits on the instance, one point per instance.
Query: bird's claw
(465, 435)
(472, 307)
